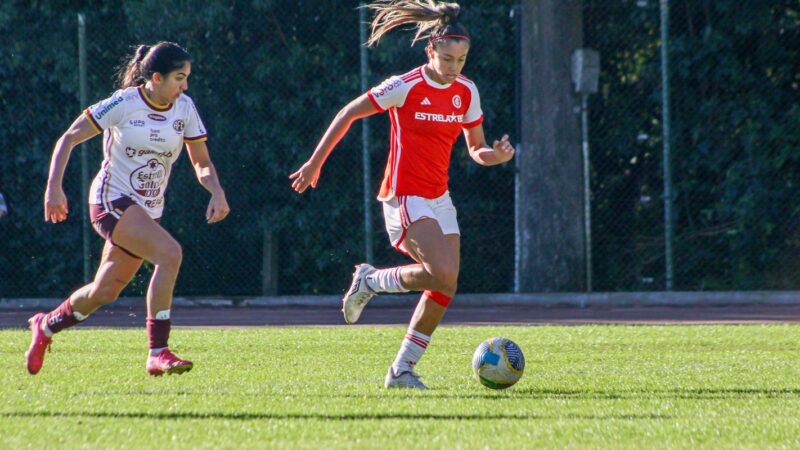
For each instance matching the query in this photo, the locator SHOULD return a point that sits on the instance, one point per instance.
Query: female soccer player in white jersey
(428, 108)
(144, 124)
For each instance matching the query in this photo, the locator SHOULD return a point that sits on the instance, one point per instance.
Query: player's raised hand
(55, 205)
(307, 175)
(503, 149)
(218, 208)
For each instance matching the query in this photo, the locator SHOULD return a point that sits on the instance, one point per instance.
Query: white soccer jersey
(141, 141)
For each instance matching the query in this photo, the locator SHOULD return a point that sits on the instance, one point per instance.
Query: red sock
(158, 332)
(61, 317)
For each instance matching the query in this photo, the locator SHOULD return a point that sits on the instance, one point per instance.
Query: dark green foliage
(268, 77)
(735, 161)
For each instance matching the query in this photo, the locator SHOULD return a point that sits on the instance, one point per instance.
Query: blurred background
(269, 75)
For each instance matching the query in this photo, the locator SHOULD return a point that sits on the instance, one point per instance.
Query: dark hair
(163, 58)
(433, 20)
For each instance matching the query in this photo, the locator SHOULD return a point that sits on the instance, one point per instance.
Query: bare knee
(170, 256)
(445, 277)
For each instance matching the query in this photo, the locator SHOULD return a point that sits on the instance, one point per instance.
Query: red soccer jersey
(427, 118)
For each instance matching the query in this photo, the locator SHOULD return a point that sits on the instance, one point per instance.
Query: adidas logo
(426, 102)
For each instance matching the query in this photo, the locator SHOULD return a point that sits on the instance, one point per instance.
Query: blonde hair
(433, 19)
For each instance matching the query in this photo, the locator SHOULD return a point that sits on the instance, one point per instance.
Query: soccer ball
(498, 363)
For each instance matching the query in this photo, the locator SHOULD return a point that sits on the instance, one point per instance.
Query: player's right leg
(117, 268)
(429, 218)
(142, 235)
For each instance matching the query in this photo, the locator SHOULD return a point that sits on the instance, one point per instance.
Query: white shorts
(400, 212)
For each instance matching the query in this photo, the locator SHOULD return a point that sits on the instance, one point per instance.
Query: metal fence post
(362, 31)
(83, 94)
(585, 75)
(668, 233)
(515, 17)
(587, 192)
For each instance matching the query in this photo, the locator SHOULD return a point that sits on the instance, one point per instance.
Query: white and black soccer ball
(498, 363)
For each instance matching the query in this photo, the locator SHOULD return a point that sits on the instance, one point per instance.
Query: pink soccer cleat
(166, 362)
(39, 343)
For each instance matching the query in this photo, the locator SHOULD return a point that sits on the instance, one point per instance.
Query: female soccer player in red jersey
(428, 108)
(144, 124)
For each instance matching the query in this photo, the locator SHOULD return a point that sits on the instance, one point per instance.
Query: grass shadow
(323, 417)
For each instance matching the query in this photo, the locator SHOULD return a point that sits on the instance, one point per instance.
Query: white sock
(155, 351)
(386, 280)
(411, 350)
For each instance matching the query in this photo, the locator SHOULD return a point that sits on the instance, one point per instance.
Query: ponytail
(435, 21)
(131, 74)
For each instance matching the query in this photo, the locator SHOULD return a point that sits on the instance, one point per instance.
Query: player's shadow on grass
(326, 417)
(696, 393)
(590, 394)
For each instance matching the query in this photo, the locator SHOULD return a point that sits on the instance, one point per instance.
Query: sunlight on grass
(311, 387)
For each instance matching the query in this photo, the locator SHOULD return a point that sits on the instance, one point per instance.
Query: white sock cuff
(417, 334)
(386, 280)
(399, 279)
(163, 315)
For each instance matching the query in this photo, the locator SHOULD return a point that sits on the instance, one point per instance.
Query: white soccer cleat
(358, 295)
(407, 379)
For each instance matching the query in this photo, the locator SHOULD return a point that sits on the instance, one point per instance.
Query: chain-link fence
(269, 76)
(733, 79)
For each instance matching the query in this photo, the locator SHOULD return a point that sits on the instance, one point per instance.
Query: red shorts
(104, 221)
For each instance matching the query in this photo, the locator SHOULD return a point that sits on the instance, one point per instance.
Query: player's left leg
(430, 309)
(141, 235)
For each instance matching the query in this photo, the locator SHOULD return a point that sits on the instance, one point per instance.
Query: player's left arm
(501, 151)
(206, 174)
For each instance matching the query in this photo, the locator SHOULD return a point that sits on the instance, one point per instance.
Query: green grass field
(321, 387)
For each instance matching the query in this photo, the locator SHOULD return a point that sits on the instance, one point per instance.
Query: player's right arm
(55, 202)
(308, 174)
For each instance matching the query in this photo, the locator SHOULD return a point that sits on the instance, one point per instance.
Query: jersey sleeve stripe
(474, 123)
(465, 79)
(94, 123)
(196, 139)
(417, 72)
(374, 102)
